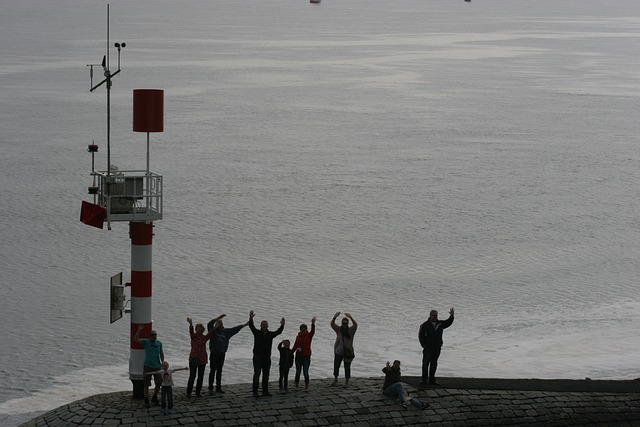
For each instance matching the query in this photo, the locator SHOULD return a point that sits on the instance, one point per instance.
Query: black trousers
(195, 367)
(261, 366)
(337, 361)
(283, 381)
(217, 362)
(430, 357)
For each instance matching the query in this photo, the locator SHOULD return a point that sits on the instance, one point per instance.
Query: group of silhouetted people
(300, 352)
(156, 367)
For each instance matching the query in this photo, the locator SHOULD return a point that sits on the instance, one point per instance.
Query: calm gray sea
(377, 157)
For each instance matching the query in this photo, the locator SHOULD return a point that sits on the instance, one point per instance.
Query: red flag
(92, 215)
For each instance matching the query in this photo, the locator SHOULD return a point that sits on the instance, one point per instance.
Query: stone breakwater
(455, 402)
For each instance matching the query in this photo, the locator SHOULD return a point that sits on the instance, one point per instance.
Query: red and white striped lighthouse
(141, 235)
(134, 196)
(148, 116)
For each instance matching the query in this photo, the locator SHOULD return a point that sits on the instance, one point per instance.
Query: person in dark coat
(218, 346)
(394, 387)
(262, 345)
(430, 336)
(286, 362)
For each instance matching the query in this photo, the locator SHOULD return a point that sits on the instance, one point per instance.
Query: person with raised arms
(197, 357)
(394, 387)
(218, 346)
(302, 350)
(262, 345)
(343, 347)
(430, 336)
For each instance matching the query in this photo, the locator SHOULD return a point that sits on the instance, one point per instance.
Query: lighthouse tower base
(138, 389)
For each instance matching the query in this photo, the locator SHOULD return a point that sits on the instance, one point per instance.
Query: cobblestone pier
(455, 402)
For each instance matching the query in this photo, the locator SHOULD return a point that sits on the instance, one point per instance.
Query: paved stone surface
(456, 402)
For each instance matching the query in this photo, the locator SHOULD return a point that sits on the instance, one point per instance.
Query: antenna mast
(106, 65)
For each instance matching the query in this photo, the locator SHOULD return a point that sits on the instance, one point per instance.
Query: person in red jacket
(302, 350)
(198, 356)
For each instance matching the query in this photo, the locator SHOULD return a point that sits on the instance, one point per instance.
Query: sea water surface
(381, 158)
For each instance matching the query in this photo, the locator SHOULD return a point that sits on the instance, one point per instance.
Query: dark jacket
(263, 341)
(430, 335)
(391, 377)
(219, 342)
(286, 356)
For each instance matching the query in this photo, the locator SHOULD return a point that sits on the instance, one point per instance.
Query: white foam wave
(68, 388)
